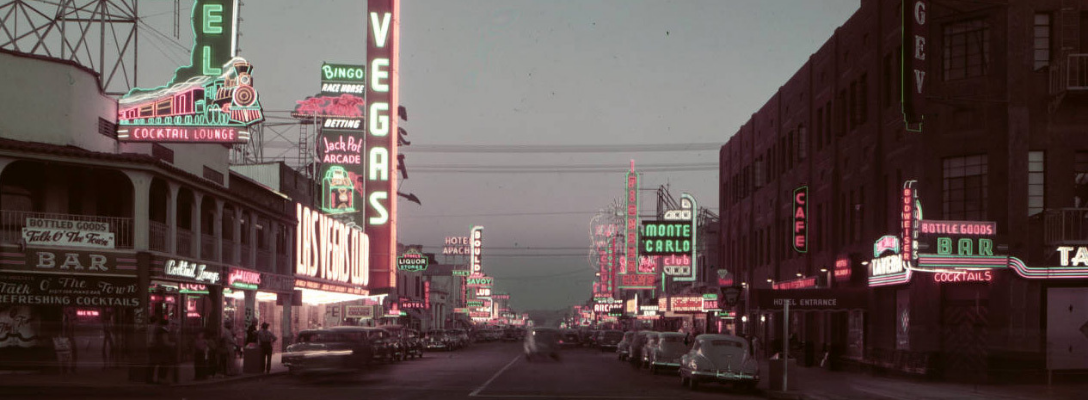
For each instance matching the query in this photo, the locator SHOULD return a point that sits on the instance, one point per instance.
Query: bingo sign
(380, 146)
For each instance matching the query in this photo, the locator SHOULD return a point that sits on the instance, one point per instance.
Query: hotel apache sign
(211, 100)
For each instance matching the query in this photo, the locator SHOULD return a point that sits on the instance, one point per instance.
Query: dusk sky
(546, 76)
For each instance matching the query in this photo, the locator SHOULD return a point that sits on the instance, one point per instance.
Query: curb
(779, 395)
(130, 386)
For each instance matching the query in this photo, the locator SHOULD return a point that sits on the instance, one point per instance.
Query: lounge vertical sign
(382, 43)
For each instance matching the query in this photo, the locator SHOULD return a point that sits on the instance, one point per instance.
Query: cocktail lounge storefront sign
(67, 233)
(58, 290)
(240, 278)
(187, 271)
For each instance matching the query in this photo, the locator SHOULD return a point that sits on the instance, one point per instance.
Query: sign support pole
(785, 345)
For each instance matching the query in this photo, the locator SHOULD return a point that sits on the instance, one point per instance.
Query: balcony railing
(1070, 73)
(185, 243)
(207, 247)
(156, 236)
(13, 222)
(1066, 226)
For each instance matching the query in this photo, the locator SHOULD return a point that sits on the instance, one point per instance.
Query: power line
(554, 170)
(500, 214)
(589, 148)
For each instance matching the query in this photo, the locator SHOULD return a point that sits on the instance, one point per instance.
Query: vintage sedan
(647, 348)
(667, 351)
(717, 358)
(320, 351)
(541, 342)
(623, 348)
(609, 340)
(438, 340)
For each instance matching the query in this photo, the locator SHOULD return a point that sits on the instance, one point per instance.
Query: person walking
(265, 338)
(227, 344)
(200, 357)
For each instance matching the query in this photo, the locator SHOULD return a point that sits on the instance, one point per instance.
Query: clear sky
(535, 73)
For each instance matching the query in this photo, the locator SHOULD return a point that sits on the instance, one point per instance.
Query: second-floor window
(1036, 182)
(966, 49)
(965, 188)
(1080, 180)
(1041, 37)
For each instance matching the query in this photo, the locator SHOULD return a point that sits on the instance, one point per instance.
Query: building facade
(999, 145)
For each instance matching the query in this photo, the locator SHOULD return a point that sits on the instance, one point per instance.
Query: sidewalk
(96, 377)
(821, 384)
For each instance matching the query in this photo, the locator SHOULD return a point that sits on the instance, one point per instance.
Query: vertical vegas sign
(382, 57)
(914, 63)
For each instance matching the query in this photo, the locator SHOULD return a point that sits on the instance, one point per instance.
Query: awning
(812, 299)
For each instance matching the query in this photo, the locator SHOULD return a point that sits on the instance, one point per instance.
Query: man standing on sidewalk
(265, 338)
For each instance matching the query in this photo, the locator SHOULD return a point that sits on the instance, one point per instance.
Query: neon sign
(686, 304)
(843, 269)
(412, 261)
(966, 276)
(637, 281)
(800, 219)
(476, 247)
(631, 225)
(800, 283)
(666, 238)
(382, 53)
(887, 266)
(244, 279)
(914, 63)
(330, 250)
(343, 78)
(909, 217)
(456, 245)
(687, 203)
(427, 294)
(337, 191)
(971, 228)
(479, 281)
(342, 106)
(191, 270)
(341, 149)
(211, 100)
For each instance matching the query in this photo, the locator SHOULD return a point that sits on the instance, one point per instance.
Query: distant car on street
(623, 348)
(569, 338)
(541, 342)
(647, 348)
(437, 340)
(719, 358)
(608, 340)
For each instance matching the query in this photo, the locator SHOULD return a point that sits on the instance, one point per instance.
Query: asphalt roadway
(482, 371)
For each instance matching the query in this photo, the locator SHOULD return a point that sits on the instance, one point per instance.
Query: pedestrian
(251, 335)
(227, 344)
(200, 357)
(155, 351)
(756, 350)
(265, 338)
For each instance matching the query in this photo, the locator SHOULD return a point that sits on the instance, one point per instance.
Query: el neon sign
(631, 226)
(382, 52)
(800, 219)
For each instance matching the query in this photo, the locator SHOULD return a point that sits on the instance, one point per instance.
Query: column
(285, 324)
(172, 218)
(253, 239)
(141, 193)
(236, 250)
(198, 228)
(217, 228)
(273, 234)
(289, 250)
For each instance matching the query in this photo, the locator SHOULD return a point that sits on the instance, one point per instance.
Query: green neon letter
(375, 202)
(379, 121)
(964, 247)
(213, 18)
(985, 247)
(944, 246)
(379, 164)
(208, 69)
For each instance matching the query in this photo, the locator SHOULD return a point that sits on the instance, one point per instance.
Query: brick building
(1006, 87)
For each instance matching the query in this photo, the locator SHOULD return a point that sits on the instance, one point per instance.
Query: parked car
(634, 356)
(437, 340)
(647, 348)
(413, 344)
(541, 342)
(569, 338)
(667, 351)
(609, 340)
(511, 335)
(325, 351)
(460, 337)
(384, 345)
(719, 358)
(623, 348)
(406, 345)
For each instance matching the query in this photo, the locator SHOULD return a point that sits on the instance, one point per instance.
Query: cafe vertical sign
(382, 43)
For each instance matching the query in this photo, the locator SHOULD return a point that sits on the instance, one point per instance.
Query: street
(486, 370)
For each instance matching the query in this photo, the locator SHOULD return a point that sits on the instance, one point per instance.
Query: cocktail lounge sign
(191, 270)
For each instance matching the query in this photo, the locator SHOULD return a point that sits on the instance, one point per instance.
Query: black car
(608, 340)
(384, 345)
(318, 351)
(569, 338)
